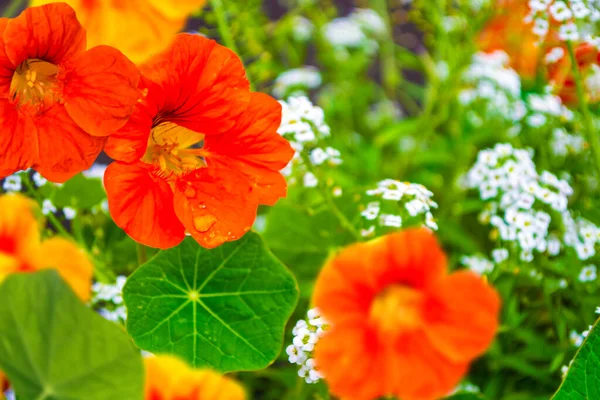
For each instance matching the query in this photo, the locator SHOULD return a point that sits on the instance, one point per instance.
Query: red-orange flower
(168, 378)
(400, 325)
(57, 100)
(561, 75)
(200, 152)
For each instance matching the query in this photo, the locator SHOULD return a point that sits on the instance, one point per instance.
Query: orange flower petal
(462, 317)
(50, 32)
(254, 147)
(142, 205)
(64, 148)
(100, 90)
(130, 142)
(18, 142)
(19, 234)
(168, 378)
(7, 68)
(71, 262)
(204, 84)
(135, 27)
(175, 9)
(215, 205)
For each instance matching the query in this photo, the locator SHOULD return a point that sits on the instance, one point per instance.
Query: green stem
(142, 255)
(51, 217)
(590, 127)
(11, 10)
(344, 221)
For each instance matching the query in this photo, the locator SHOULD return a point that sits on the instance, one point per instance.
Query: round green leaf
(52, 347)
(224, 308)
(583, 377)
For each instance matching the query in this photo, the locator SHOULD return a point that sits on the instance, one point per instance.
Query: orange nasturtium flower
(139, 28)
(58, 101)
(508, 32)
(199, 154)
(168, 378)
(561, 75)
(400, 324)
(21, 249)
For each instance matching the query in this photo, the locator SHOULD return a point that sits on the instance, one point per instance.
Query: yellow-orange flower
(21, 249)
(168, 378)
(139, 28)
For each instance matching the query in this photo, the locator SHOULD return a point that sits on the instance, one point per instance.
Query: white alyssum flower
(344, 32)
(478, 264)
(48, 207)
(560, 11)
(523, 204)
(69, 213)
(306, 335)
(554, 55)
(369, 20)
(38, 179)
(568, 32)
(303, 78)
(97, 171)
(12, 183)
(588, 273)
(108, 298)
(302, 28)
(397, 201)
(303, 125)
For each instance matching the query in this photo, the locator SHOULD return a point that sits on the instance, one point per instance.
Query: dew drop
(190, 192)
(203, 223)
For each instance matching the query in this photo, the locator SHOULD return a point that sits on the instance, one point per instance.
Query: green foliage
(80, 193)
(583, 377)
(224, 308)
(52, 347)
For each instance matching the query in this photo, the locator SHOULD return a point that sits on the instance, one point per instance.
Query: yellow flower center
(34, 85)
(397, 309)
(174, 150)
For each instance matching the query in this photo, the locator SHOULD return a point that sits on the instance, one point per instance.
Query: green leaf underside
(224, 308)
(54, 347)
(583, 378)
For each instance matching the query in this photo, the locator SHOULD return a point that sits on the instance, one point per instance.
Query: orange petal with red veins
(129, 143)
(215, 205)
(254, 147)
(50, 32)
(72, 264)
(100, 90)
(462, 316)
(18, 141)
(142, 205)
(64, 148)
(204, 84)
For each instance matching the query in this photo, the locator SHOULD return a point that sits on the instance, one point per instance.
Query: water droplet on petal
(203, 223)
(190, 192)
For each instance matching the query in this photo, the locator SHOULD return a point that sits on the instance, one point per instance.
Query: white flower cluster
(495, 86)
(302, 28)
(303, 125)
(521, 200)
(397, 202)
(356, 30)
(108, 299)
(297, 81)
(578, 338)
(478, 264)
(563, 143)
(574, 17)
(306, 335)
(544, 109)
